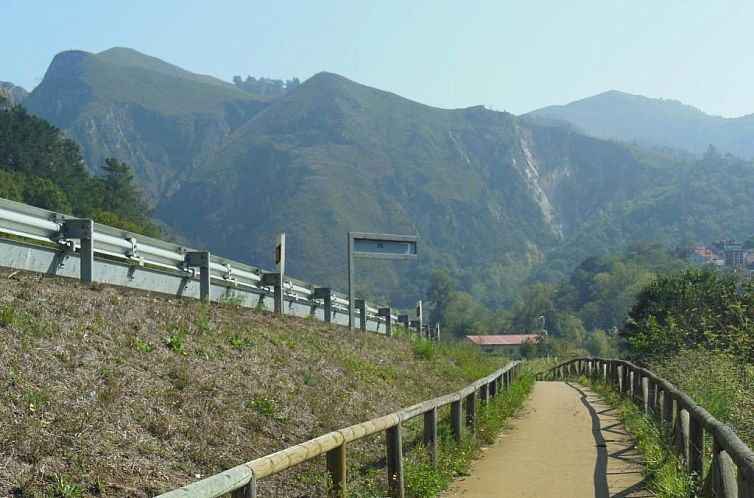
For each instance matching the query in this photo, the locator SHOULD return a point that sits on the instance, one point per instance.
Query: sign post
(375, 246)
(419, 318)
(280, 255)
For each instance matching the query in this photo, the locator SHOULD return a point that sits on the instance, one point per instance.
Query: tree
(695, 307)
(439, 294)
(464, 316)
(42, 192)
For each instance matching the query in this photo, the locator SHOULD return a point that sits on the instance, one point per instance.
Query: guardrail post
(325, 293)
(394, 461)
(430, 434)
(385, 312)
(361, 306)
(201, 260)
(471, 411)
(695, 463)
(276, 281)
(336, 467)
(83, 230)
(455, 420)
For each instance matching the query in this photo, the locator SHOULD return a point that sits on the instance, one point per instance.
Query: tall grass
(722, 385)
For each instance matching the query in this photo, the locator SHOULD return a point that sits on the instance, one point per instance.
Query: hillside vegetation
(499, 201)
(109, 392)
(153, 115)
(41, 166)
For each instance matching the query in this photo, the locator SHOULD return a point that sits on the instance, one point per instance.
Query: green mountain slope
(654, 122)
(156, 116)
(497, 200)
(486, 194)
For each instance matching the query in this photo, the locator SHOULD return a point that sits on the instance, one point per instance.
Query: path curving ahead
(568, 443)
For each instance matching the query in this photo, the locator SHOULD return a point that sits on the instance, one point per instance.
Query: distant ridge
(654, 122)
(15, 94)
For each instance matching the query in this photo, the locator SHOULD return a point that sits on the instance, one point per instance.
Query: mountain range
(496, 199)
(653, 122)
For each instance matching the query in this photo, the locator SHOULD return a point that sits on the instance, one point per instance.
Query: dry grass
(110, 392)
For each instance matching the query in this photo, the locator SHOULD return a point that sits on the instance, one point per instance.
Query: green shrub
(424, 350)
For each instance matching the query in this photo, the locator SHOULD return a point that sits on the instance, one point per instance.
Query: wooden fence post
(248, 491)
(430, 434)
(394, 445)
(745, 486)
(492, 389)
(484, 394)
(620, 380)
(667, 408)
(645, 393)
(336, 467)
(455, 420)
(695, 463)
(722, 475)
(682, 432)
(471, 411)
(631, 383)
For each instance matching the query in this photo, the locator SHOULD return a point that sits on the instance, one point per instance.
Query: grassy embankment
(110, 392)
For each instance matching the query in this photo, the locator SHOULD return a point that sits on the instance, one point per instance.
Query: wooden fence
(241, 481)
(731, 470)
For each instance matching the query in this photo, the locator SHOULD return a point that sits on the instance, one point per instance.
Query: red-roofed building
(701, 256)
(507, 344)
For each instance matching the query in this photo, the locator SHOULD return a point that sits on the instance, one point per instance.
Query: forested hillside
(499, 202)
(41, 167)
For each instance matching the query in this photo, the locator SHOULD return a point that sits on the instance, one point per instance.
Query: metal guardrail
(79, 248)
(241, 481)
(731, 471)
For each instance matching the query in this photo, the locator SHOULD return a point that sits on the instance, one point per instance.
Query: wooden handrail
(731, 473)
(241, 480)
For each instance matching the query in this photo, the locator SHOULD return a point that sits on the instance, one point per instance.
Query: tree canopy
(39, 165)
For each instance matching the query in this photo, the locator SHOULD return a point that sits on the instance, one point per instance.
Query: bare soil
(112, 392)
(568, 443)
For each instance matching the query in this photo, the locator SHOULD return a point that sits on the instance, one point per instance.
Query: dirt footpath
(568, 443)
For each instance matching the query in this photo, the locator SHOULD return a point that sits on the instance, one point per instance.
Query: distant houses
(724, 254)
(505, 345)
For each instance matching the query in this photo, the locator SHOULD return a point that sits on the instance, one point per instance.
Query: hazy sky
(508, 55)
